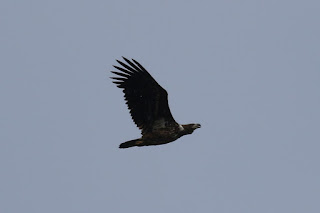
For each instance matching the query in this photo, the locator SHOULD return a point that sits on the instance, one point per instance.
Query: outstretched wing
(146, 99)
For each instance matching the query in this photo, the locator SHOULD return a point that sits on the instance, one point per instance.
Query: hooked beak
(196, 126)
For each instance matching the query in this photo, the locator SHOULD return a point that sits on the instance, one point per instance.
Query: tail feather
(129, 144)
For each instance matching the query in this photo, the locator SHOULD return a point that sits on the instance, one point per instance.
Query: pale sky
(248, 71)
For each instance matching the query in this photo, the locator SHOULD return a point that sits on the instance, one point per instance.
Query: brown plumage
(148, 105)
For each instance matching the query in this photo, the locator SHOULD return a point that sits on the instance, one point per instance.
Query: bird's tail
(136, 142)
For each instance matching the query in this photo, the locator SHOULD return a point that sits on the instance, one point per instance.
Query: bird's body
(148, 105)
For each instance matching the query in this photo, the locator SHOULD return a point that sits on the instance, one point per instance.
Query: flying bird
(147, 102)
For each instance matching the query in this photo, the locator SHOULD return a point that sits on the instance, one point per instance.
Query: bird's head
(189, 128)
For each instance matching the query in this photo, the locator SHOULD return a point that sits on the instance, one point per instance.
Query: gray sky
(248, 71)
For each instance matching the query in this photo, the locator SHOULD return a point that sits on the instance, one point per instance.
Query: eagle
(148, 104)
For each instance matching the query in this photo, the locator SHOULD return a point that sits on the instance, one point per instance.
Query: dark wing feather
(146, 99)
